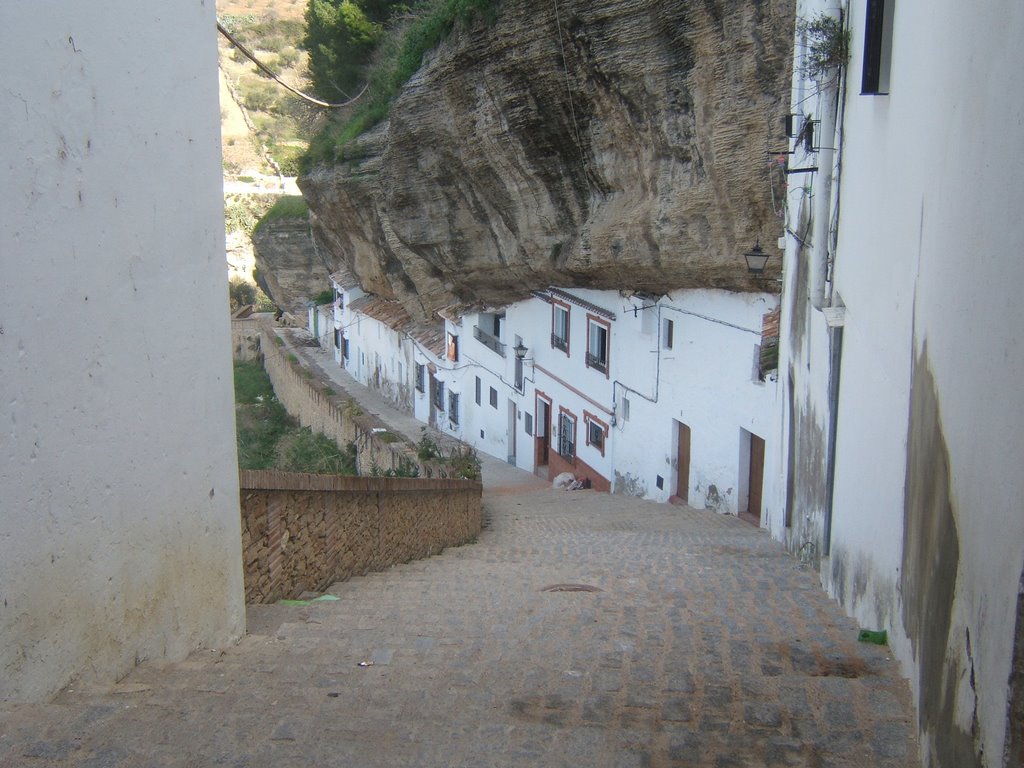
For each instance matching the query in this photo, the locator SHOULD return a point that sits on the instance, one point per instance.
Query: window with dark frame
(439, 395)
(560, 327)
(668, 333)
(453, 407)
(421, 378)
(877, 48)
(597, 344)
(595, 435)
(528, 423)
(494, 398)
(566, 435)
(479, 387)
(596, 431)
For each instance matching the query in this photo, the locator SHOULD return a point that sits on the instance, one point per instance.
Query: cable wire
(267, 71)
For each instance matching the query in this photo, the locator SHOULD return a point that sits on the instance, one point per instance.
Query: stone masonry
(305, 532)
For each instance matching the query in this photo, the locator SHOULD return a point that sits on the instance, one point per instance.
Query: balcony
(489, 341)
(597, 363)
(560, 342)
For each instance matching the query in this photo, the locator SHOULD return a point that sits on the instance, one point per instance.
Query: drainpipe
(820, 224)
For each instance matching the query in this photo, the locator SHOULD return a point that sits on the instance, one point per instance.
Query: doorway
(542, 440)
(512, 432)
(683, 462)
(751, 477)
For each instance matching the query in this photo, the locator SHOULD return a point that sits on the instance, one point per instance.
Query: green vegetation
(324, 297)
(406, 468)
(242, 213)
(268, 438)
(286, 207)
(828, 44)
(395, 54)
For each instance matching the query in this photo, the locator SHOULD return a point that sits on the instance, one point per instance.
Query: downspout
(822, 203)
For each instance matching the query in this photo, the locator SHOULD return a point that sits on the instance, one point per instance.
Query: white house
(901, 353)
(655, 396)
(119, 522)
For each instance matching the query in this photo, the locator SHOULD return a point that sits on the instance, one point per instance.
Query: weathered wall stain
(931, 554)
(1015, 714)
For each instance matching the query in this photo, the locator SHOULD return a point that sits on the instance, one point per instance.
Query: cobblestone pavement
(704, 644)
(581, 629)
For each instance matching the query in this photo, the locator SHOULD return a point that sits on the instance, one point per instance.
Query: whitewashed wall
(707, 380)
(928, 536)
(119, 519)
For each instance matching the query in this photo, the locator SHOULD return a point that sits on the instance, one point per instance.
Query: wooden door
(543, 430)
(683, 463)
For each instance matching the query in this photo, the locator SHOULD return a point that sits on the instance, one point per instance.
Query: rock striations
(618, 144)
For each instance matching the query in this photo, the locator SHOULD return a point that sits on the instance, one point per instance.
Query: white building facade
(119, 521)
(901, 429)
(663, 397)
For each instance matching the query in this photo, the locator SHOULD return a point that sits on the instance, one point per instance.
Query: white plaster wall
(927, 264)
(119, 519)
(707, 382)
(939, 161)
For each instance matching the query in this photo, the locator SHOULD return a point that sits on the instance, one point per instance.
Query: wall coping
(276, 480)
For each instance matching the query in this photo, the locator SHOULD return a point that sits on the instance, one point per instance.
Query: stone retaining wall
(305, 532)
(307, 399)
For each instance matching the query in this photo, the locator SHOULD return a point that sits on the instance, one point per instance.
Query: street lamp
(756, 259)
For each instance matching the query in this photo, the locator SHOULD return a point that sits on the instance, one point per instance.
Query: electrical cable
(269, 73)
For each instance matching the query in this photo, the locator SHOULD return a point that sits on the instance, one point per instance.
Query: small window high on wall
(877, 47)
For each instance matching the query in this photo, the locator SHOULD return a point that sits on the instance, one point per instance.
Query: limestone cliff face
(291, 269)
(599, 143)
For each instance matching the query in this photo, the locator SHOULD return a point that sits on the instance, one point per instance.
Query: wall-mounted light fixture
(520, 350)
(756, 259)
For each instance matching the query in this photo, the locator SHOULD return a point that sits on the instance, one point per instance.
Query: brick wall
(305, 532)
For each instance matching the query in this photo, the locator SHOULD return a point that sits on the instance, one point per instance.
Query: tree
(339, 39)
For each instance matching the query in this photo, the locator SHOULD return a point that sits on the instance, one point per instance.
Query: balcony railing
(559, 342)
(489, 341)
(597, 363)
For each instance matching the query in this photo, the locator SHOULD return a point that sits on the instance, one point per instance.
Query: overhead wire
(272, 75)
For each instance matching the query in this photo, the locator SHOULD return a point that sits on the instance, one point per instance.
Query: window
(479, 387)
(560, 327)
(494, 398)
(597, 344)
(528, 423)
(877, 47)
(519, 374)
(344, 348)
(337, 338)
(421, 378)
(453, 347)
(596, 432)
(453, 407)
(439, 395)
(566, 435)
(668, 328)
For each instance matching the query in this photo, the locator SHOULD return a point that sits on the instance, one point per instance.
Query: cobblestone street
(581, 629)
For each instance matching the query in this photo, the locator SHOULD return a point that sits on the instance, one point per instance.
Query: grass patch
(286, 207)
(398, 56)
(268, 438)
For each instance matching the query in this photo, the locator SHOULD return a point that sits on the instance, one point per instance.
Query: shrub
(828, 44)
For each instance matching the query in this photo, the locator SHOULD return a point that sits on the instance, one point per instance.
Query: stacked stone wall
(337, 416)
(305, 532)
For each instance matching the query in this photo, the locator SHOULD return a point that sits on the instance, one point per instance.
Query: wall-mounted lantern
(756, 259)
(520, 350)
